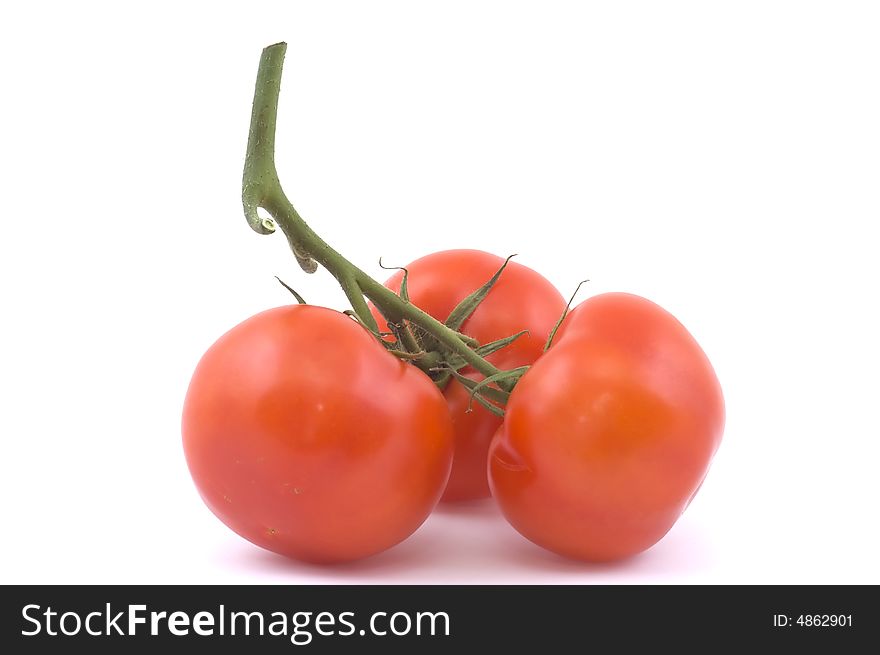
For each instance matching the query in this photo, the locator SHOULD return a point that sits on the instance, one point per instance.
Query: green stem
(261, 188)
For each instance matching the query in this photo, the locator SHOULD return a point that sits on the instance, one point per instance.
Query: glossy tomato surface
(522, 299)
(608, 436)
(304, 436)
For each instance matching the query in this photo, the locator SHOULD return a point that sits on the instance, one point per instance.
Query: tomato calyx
(441, 363)
(439, 349)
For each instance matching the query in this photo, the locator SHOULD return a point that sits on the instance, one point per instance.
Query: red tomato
(608, 436)
(306, 437)
(522, 299)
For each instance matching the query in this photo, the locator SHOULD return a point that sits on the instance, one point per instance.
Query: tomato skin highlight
(522, 299)
(607, 438)
(304, 436)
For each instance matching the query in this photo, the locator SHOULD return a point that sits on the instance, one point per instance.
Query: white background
(722, 159)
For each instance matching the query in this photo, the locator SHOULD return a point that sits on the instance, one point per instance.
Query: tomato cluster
(306, 436)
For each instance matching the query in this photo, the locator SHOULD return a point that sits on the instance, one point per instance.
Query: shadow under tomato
(471, 543)
(475, 510)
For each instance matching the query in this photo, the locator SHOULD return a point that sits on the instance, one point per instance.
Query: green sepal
(390, 345)
(481, 397)
(499, 378)
(470, 341)
(497, 395)
(562, 318)
(298, 297)
(456, 361)
(497, 411)
(467, 306)
(404, 290)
